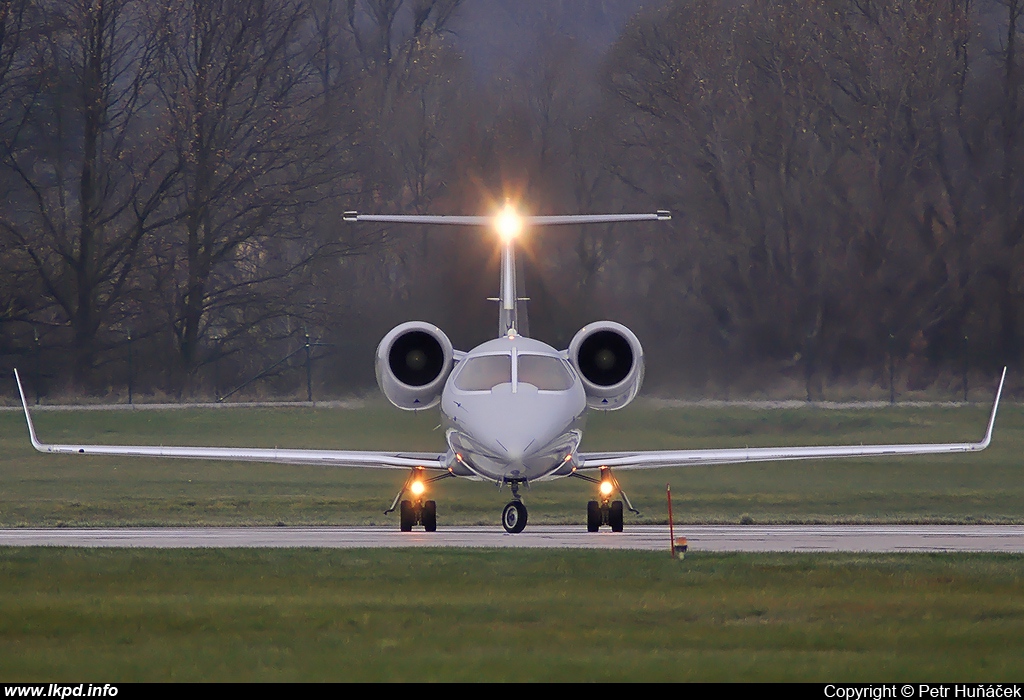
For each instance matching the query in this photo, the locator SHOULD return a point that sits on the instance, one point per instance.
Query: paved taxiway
(711, 538)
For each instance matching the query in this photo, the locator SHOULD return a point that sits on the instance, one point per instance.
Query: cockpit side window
(485, 372)
(544, 372)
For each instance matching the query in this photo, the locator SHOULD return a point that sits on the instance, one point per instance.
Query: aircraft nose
(520, 435)
(516, 429)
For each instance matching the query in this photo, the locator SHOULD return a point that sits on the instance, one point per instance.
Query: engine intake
(413, 363)
(610, 361)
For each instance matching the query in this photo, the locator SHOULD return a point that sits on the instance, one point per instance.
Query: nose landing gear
(513, 516)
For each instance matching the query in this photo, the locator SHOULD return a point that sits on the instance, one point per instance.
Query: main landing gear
(513, 516)
(417, 511)
(606, 511)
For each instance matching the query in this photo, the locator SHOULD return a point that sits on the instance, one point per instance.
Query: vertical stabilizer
(508, 300)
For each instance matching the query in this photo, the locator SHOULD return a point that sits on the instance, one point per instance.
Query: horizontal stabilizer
(660, 215)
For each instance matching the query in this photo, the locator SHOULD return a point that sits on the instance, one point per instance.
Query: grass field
(66, 490)
(362, 615)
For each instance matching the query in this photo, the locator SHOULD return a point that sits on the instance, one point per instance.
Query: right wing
(658, 459)
(327, 458)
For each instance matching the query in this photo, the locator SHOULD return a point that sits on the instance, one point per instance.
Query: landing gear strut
(417, 511)
(606, 511)
(513, 517)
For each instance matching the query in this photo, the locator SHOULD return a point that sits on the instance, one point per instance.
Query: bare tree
(253, 151)
(89, 178)
(14, 26)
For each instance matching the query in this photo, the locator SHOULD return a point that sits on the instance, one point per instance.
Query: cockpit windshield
(485, 372)
(544, 372)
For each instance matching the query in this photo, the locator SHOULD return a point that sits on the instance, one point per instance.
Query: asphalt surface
(709, 538)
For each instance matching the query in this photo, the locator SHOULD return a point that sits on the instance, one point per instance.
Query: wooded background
(846, 179)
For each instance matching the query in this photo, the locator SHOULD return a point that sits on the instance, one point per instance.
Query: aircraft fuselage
(513, 411)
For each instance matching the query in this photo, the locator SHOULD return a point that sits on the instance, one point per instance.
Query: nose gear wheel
(513, 517)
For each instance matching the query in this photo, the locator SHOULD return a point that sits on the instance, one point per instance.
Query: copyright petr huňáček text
(923, 690)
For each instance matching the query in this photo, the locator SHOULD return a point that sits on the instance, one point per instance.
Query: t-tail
(509, 225)
(508, 313)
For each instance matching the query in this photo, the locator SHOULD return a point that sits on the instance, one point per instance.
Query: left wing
(657, 459)
(328, 458)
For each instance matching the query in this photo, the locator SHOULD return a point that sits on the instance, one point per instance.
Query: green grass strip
(102, 615)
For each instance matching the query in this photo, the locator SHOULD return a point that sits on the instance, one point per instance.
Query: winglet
(28, 417)
(992, 419)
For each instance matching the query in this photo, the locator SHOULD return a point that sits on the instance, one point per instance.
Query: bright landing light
(417, 488)
(508, 223)
(606, 488)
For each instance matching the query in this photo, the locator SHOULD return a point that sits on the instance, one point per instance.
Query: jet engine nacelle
(610, 361)
(413, 363)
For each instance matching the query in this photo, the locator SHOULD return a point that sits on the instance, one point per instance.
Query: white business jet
(513, 408)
